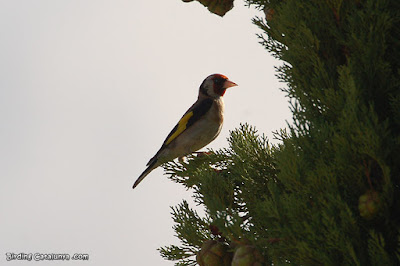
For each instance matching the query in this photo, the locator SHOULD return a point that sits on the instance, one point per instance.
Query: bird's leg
(202, 153)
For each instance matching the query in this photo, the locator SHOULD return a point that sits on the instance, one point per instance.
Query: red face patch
(220, 92)
(218, 84)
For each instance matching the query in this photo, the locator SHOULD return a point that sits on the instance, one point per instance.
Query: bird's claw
(203, 153)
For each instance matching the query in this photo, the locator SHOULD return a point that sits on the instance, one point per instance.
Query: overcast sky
(88, 92)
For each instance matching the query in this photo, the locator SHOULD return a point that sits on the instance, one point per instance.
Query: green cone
(369, 204)
(214, 253)
(247, 256)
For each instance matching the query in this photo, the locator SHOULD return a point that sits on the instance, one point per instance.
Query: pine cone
(269, 13)
(218, 7)
(369, 204)
(247, 256)
(214, 253)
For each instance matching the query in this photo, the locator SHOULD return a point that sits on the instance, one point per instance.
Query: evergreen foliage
(329, 192)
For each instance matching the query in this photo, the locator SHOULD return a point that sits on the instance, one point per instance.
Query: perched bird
(200, 125)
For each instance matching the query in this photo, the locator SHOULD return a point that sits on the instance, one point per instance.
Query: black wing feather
(199, 109)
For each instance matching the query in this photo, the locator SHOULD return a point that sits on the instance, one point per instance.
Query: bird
(199, 125)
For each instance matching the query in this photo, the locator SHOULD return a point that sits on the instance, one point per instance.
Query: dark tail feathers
(151, 166)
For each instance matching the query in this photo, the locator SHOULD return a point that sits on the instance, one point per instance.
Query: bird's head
(215, 85)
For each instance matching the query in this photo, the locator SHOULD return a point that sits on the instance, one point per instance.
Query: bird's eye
(218, 81)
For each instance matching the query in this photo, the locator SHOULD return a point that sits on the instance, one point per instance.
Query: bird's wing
(198, 110)
(192, 115)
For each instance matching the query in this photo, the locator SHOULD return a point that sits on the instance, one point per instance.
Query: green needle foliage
(329, 192)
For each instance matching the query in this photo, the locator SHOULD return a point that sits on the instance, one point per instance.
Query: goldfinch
(200, 125)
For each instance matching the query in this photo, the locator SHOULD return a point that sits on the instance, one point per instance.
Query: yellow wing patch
(181, 127)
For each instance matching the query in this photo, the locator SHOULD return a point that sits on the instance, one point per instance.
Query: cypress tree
(329, 192)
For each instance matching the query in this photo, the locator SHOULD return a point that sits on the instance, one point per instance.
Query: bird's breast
(201, 133)
(216, 112)
(210, 127)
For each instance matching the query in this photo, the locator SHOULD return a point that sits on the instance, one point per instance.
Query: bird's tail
(151, 166)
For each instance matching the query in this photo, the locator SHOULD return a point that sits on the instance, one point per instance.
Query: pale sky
(88, 92)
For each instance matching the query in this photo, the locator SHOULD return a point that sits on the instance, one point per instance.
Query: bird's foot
(181, 159)
(202, 153)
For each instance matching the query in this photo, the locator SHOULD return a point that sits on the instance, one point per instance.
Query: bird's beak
(229, 84)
